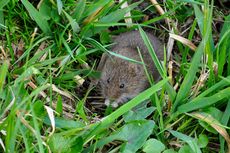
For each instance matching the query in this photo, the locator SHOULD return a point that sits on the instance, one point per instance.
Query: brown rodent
(122, 80)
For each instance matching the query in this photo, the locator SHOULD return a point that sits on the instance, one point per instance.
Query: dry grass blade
(2, 144)
(160, 10)
(215, 124)
(170, 69)
(200, 83)
(42, 93)
(168, 21)
(92, 16)
(55, 88)
(183, 41)
(19, 115)
(50, 112)
(79, 80)
(128, 14)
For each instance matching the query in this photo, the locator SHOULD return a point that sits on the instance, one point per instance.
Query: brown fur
(117, 72)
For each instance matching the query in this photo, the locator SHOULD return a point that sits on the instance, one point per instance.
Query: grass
(49, 48)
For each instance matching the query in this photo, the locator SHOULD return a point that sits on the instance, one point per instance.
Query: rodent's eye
(108, 80)
(122, 85)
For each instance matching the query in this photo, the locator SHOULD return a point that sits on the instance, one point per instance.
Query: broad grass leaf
(59, 143)
(59, 107)
(118, 14)
(133, 134)
(189, 140)
(37, 56)
(201, 23)
(223, 46)
(199, 103)
(216, 87)
(138, 114)
(75, 26)
(64, 123)
(95, 6)
(79, 10)
(225, 26)
(224, 120)
(216, 114)
(42, 23)
(153, 146)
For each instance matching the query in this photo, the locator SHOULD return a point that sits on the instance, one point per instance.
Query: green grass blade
(191, 74)
(95, 6)
(224, 121)
(42, 23)
(223, 83)
(79, 10)
(72, 22)
(3, 74)
(169, 88)
(198, 103)
(191, 141)
(37, 130)
(32, 47)
(223, 46)
(3, 3)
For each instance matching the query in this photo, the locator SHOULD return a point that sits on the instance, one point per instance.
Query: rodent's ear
(135, 68)
(101, 64)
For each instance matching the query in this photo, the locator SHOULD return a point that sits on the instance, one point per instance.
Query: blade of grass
(32, 47)
(223, 83)
(37, 130)
(161, 70)
(42, 23)
(191, 74)
(73, 23)
(3, 74)
(223, 46)
(203, 21)
(3, 3)
(198, 103)
(190, 141)
(224, 121)
(79, 10)
(102, 48)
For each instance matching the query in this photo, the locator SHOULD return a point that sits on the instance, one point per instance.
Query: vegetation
(49, 48)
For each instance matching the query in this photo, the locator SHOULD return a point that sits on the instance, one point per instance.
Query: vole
(122, 80)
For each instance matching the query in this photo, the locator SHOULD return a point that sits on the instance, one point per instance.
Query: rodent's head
(121, 81)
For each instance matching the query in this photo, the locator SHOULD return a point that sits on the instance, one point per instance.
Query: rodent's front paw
(107, 102)
(114, 105)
